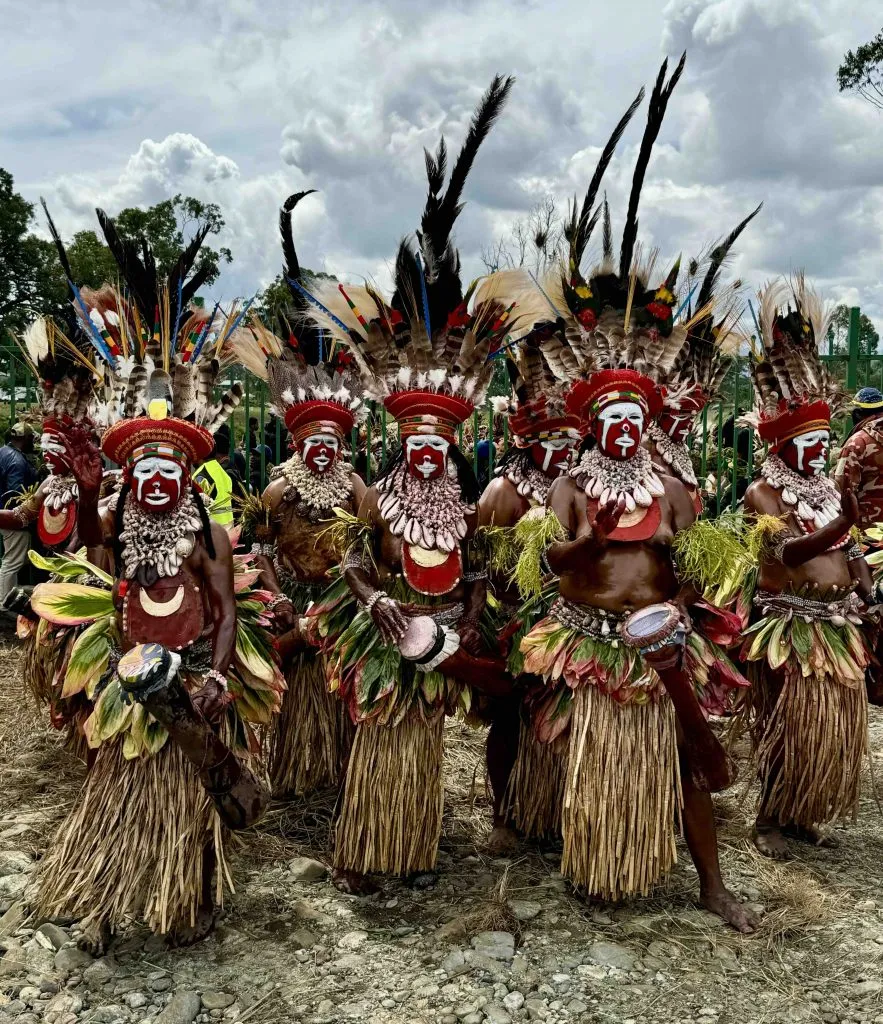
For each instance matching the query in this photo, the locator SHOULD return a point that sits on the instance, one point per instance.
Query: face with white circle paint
(618, 429)
(426, 456)
(157, 484)
(807, 453)
(319, 452)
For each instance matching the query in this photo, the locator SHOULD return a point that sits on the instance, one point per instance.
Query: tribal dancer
(806, 648)
(860, 464)
(146, 833)
(402, 627)
(526, 776)
(288, 529)
(640, 753)
(698, 374)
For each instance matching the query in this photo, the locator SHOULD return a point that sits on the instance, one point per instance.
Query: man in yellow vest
(214, 481)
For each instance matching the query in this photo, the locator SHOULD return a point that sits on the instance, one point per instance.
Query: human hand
(607, 519)
(211, 700)
(849, 508)
(389, 619)
(470, 637)
(83, 458)
(284, 616)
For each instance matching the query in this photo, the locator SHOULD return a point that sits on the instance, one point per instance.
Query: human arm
(23, 514)
(795, 551)
(84, 460)
(217, 574)
(264, 534)
(590, 535)
(860, 572)
(386, 613)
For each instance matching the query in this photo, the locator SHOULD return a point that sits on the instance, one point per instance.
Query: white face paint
(54, 453)
(157, 482)
(626, 421)
(556, 453)
(812, 451)
(426, 455)
(320, 460)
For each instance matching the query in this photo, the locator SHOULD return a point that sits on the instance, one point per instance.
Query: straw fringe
(311, 735)
(133, 844)
(811, 748)
(623, 796)
(39, 662)
(391, 807)
(535, 794)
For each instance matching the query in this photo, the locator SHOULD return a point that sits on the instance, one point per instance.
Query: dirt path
(495, 941)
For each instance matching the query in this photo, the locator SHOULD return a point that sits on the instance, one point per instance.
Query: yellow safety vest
(218, 485)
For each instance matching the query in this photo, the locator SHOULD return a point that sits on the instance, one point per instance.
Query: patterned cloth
(861, 467)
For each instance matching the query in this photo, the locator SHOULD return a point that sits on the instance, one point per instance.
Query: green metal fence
(723, 450)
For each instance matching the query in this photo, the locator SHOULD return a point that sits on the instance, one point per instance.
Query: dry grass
(796, 899)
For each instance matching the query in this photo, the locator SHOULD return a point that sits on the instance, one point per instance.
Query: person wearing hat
(860, 464)
(807, 644)
(16, 476)
(173, 750)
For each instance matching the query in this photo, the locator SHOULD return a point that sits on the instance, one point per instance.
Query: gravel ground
(495, 941)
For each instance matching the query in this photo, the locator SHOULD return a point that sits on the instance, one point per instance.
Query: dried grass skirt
(311, 736)
(391, 807)
(622, 797)
(132, 847)
(535, 795)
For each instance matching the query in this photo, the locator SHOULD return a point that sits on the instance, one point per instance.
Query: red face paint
(53, 454)
(426, 456)
(319, 452)
(806, 453)
(552, 457)
(157, 484)
(618, 429)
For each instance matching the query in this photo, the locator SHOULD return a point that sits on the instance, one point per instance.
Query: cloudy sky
(242, 102)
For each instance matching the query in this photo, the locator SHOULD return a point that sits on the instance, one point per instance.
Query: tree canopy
(862, 71)
(868, 338)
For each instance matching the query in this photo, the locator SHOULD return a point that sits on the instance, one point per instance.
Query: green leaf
(89, 658)
(71, 604)
(111, 714)
(69, 566)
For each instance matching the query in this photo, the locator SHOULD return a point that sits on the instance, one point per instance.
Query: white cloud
(241, 102)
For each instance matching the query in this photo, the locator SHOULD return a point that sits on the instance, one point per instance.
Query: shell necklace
(605, 479)
(429, 514)
(673, 453)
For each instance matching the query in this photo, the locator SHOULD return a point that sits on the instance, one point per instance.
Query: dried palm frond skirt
(390, 815)
(811, 735)
(535, 795)
(132, 847)
(41, 655)
(311, 736)
(622, 789)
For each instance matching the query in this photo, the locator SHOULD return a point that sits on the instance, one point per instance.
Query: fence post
(852, 339)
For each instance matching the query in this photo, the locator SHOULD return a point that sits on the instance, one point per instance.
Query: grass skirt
(311, 735)
(132, 846)
(622, 797)
(535, 794)
(390, 815)
(810, 739)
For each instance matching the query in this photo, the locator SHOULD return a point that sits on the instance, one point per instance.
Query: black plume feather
(443, 208)
(59, 245)
(137, 270)
(291, 266)
(580, 230)
(608, 234)
(655, 113)
(183, 265)
(717, 256)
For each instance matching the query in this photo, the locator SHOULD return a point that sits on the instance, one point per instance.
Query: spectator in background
(16, 475)
(233, 462)
(215, 481)
(483, 463)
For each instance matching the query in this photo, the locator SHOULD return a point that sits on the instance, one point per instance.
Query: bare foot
(723, 903)
(95, 937)
(187, 936)
(810, 835)
(770, 842)
(352, 883)
(501, 842)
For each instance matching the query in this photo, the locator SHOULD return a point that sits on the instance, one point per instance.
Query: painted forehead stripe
(609, 397)
(156, 450)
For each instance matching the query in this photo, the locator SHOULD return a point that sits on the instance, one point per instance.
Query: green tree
(23, 260)
(862, 71)
(838, 333)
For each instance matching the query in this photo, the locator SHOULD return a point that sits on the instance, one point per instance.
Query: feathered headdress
(425, 352)
(158, 353)
(620, 340)
(794, 391)
(700, 367)
(65, 369)
(312, 383)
